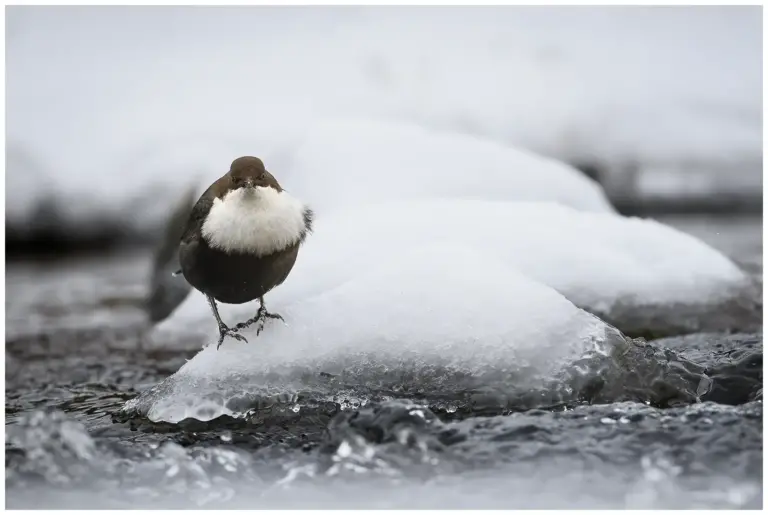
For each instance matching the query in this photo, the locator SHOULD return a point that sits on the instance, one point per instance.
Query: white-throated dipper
(242, 239)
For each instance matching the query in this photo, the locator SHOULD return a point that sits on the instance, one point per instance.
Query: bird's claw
(225, 331)
(261, 318)
(275, 316)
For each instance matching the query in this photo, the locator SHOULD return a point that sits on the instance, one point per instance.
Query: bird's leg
(265, 315)
(261, 317)
(223, 329)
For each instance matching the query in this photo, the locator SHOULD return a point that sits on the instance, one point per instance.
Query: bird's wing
(197, 215)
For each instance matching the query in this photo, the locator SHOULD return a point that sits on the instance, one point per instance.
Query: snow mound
(410, 324)
(440, 299)
(343, 162)
(594, 259)
(601, 262)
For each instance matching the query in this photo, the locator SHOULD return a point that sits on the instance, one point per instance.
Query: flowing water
(76, 351)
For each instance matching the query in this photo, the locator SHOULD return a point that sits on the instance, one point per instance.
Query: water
(76, 352)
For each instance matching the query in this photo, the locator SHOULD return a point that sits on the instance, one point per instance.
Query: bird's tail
(166, 290)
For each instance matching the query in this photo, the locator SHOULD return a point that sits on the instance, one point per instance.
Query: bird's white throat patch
(258, 221)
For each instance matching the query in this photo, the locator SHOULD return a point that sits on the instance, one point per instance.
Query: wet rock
(743, 312)
(733, 362)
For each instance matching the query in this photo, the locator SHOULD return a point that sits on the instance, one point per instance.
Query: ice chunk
(441, 297)
(343, 162)
(433, 319)
(601, 262)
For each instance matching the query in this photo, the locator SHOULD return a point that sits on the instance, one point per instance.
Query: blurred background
(112, 111)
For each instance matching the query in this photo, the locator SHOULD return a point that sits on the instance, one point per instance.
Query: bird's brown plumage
(234, 277)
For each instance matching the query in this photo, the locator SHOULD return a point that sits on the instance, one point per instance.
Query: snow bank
(106, 103)
(346, 162)
(410, 323)
(335, 163)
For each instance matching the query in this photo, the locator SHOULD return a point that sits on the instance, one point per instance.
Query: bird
(242, 240)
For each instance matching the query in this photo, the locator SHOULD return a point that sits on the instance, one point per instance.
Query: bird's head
(249, 172)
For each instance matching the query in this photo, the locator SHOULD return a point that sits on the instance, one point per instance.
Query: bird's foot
(225, 331)
(265, 315)
(261, 318)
